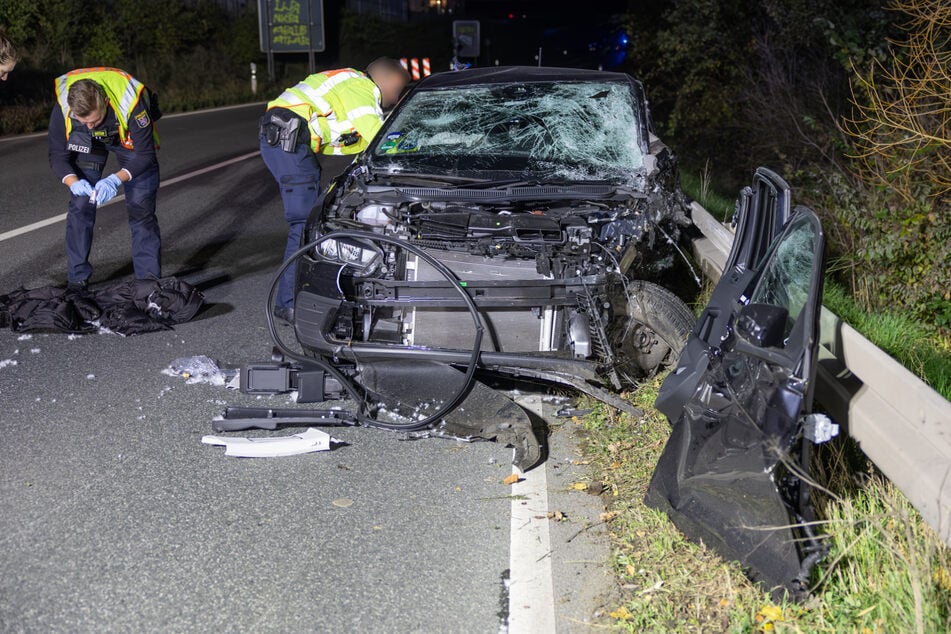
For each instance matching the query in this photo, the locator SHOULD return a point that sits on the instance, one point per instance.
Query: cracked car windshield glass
(548, 131)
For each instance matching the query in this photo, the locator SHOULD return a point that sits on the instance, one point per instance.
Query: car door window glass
(787, 279)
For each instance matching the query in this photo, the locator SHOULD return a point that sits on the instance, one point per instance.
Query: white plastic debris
(305, 442)
(819, 428)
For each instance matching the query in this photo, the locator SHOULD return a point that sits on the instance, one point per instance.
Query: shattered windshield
(567, 131)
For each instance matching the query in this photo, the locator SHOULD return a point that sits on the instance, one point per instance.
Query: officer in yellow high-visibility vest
(102, 111)
(336, 112)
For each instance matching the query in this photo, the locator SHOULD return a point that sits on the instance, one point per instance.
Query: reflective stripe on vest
(123, 91)
(331, 102)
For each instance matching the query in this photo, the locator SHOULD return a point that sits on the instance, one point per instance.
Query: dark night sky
(544, 9)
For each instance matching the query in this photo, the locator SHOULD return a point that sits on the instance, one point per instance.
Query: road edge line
(531, 590)
(13, 233)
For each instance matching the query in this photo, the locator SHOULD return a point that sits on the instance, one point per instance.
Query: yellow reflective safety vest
(122, 89)
(335, 103)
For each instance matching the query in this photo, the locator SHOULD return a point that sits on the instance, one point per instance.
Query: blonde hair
(85, 97)
(8, 52)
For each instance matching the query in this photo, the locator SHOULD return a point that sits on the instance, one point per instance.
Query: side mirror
(762, 325)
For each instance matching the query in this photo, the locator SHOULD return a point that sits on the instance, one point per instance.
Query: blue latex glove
(106, 189)
(81, 188)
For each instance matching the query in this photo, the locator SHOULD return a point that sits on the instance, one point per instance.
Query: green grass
(698, 186)
(887, 571)
(921, 349)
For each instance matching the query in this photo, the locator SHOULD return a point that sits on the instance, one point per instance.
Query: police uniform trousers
(140, 194)
(298, 175)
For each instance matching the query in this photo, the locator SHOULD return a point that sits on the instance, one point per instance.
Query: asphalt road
(114, 516)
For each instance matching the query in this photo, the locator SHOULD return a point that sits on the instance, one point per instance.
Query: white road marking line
(208, 110)
(531, 591)
(52, 221)
(34, 135)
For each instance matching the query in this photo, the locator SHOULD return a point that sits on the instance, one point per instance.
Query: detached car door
(730, 474)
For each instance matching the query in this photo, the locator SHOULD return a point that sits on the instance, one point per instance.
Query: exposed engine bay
(548, 277)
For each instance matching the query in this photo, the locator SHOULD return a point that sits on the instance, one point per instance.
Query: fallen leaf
(724, 603)
(607, 517)
(631, 570)
(621, 614)
(595, 488)
(767, 615)
(343, 502)
(556, 515)
(512, 479)
(579, 486)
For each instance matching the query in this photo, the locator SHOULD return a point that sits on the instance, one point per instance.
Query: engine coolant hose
(442, 269)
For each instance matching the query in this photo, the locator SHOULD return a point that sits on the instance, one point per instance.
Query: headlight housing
(363, 257)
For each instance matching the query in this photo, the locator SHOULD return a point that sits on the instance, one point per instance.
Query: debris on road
(571, 412)
(306, 442)
(202, 369)
(511, 479)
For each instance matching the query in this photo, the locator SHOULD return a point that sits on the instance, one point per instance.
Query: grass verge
(921, 349)
(887, 571)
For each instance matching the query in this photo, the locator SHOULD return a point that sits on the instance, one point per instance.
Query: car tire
(657, 329)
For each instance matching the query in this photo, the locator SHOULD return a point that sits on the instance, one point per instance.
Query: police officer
(332, 113)
(101, 111)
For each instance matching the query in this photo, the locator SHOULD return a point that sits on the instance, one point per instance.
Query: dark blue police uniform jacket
(84, 154)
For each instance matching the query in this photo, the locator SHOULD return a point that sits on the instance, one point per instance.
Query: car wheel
(655, 333)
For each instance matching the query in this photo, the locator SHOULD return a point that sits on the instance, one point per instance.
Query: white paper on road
(271, 447)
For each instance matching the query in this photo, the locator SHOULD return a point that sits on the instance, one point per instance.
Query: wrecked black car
(513, 222)
(546, 200)
(549, 199)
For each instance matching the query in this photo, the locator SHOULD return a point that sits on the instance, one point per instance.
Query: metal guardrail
(900, 423)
